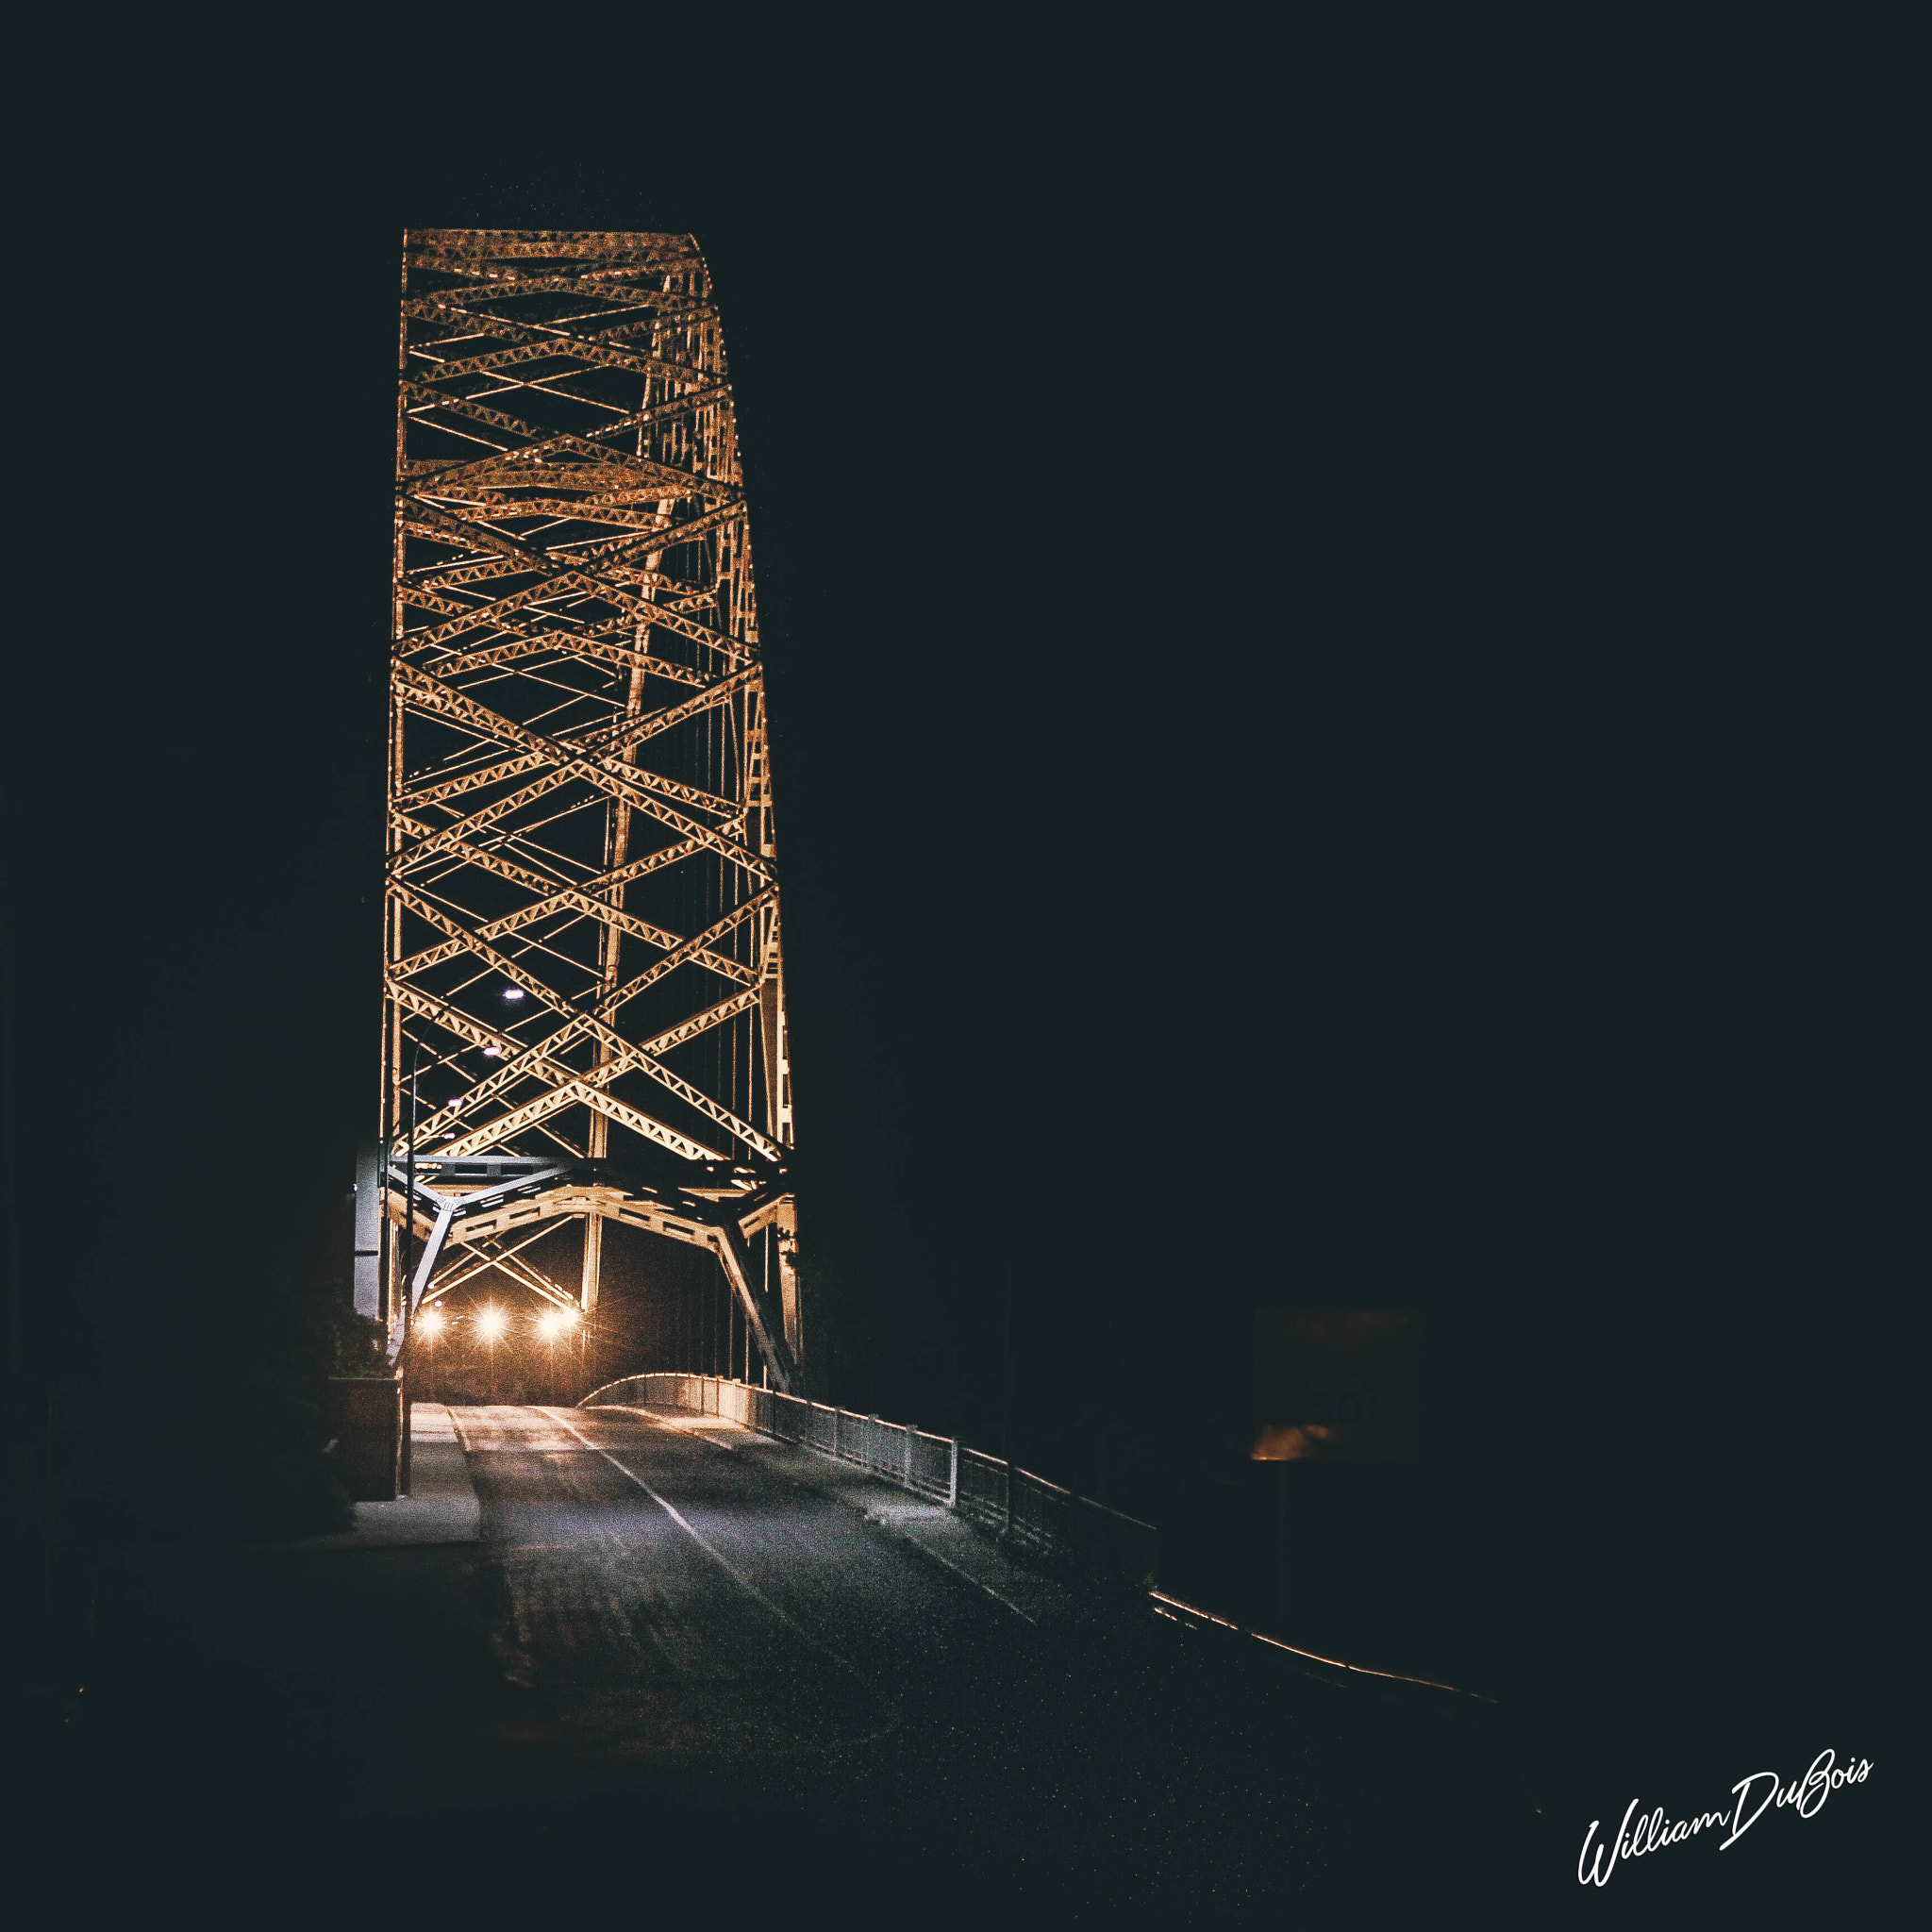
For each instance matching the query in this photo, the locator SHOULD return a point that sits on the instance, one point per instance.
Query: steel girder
(585, 964)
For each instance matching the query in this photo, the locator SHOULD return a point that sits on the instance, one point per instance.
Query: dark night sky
(1305, 771)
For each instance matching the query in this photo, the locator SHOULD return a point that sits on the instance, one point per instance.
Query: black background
(1329, 748)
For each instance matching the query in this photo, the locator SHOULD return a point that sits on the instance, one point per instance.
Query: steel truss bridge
(584, 984)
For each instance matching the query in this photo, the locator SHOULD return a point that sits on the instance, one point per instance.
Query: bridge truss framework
(584, 985)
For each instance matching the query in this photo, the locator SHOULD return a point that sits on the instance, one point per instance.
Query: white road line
(711, 1550)
(923, 1548)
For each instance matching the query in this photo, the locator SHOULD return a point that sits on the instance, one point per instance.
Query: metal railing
(1052, 1521)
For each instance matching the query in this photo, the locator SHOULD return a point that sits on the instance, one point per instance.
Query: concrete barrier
(365, 1416)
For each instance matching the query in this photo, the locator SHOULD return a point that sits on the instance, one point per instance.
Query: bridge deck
(680, 1662)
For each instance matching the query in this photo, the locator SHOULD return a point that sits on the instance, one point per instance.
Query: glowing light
(490, 1320)
(492, 1053)
(431, 1321)
(512, 993)
(549, 1323)
(568, 1317)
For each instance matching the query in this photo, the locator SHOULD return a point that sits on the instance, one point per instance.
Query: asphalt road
(670, 1673)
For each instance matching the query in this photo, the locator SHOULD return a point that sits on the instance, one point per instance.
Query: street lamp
(490, 1323)
(430, 1325)
(399, 1354)
(550, 1324)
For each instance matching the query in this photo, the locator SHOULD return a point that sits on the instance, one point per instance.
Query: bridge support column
(593, 1262)
(784, 1237)
(369, 1219)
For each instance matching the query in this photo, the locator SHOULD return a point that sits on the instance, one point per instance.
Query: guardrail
(1052, 1521)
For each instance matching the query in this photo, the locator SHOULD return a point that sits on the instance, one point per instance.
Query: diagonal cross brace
(449, 1206)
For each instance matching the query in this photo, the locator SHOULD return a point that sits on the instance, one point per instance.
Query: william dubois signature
(1807, 1795)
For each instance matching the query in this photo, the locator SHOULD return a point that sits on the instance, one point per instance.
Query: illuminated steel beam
(568, 898)
(656, 413)
(491, 1253)
(590, 370)
(573, 1092)
(530, 1276)
(702, 1022)
(475, 248)
(697, 950)
(430, 693)
(601, 775)
(588, 644)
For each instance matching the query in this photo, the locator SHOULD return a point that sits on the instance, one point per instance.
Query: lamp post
(408, 1261)
(429, 1327)
(490, 1324)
